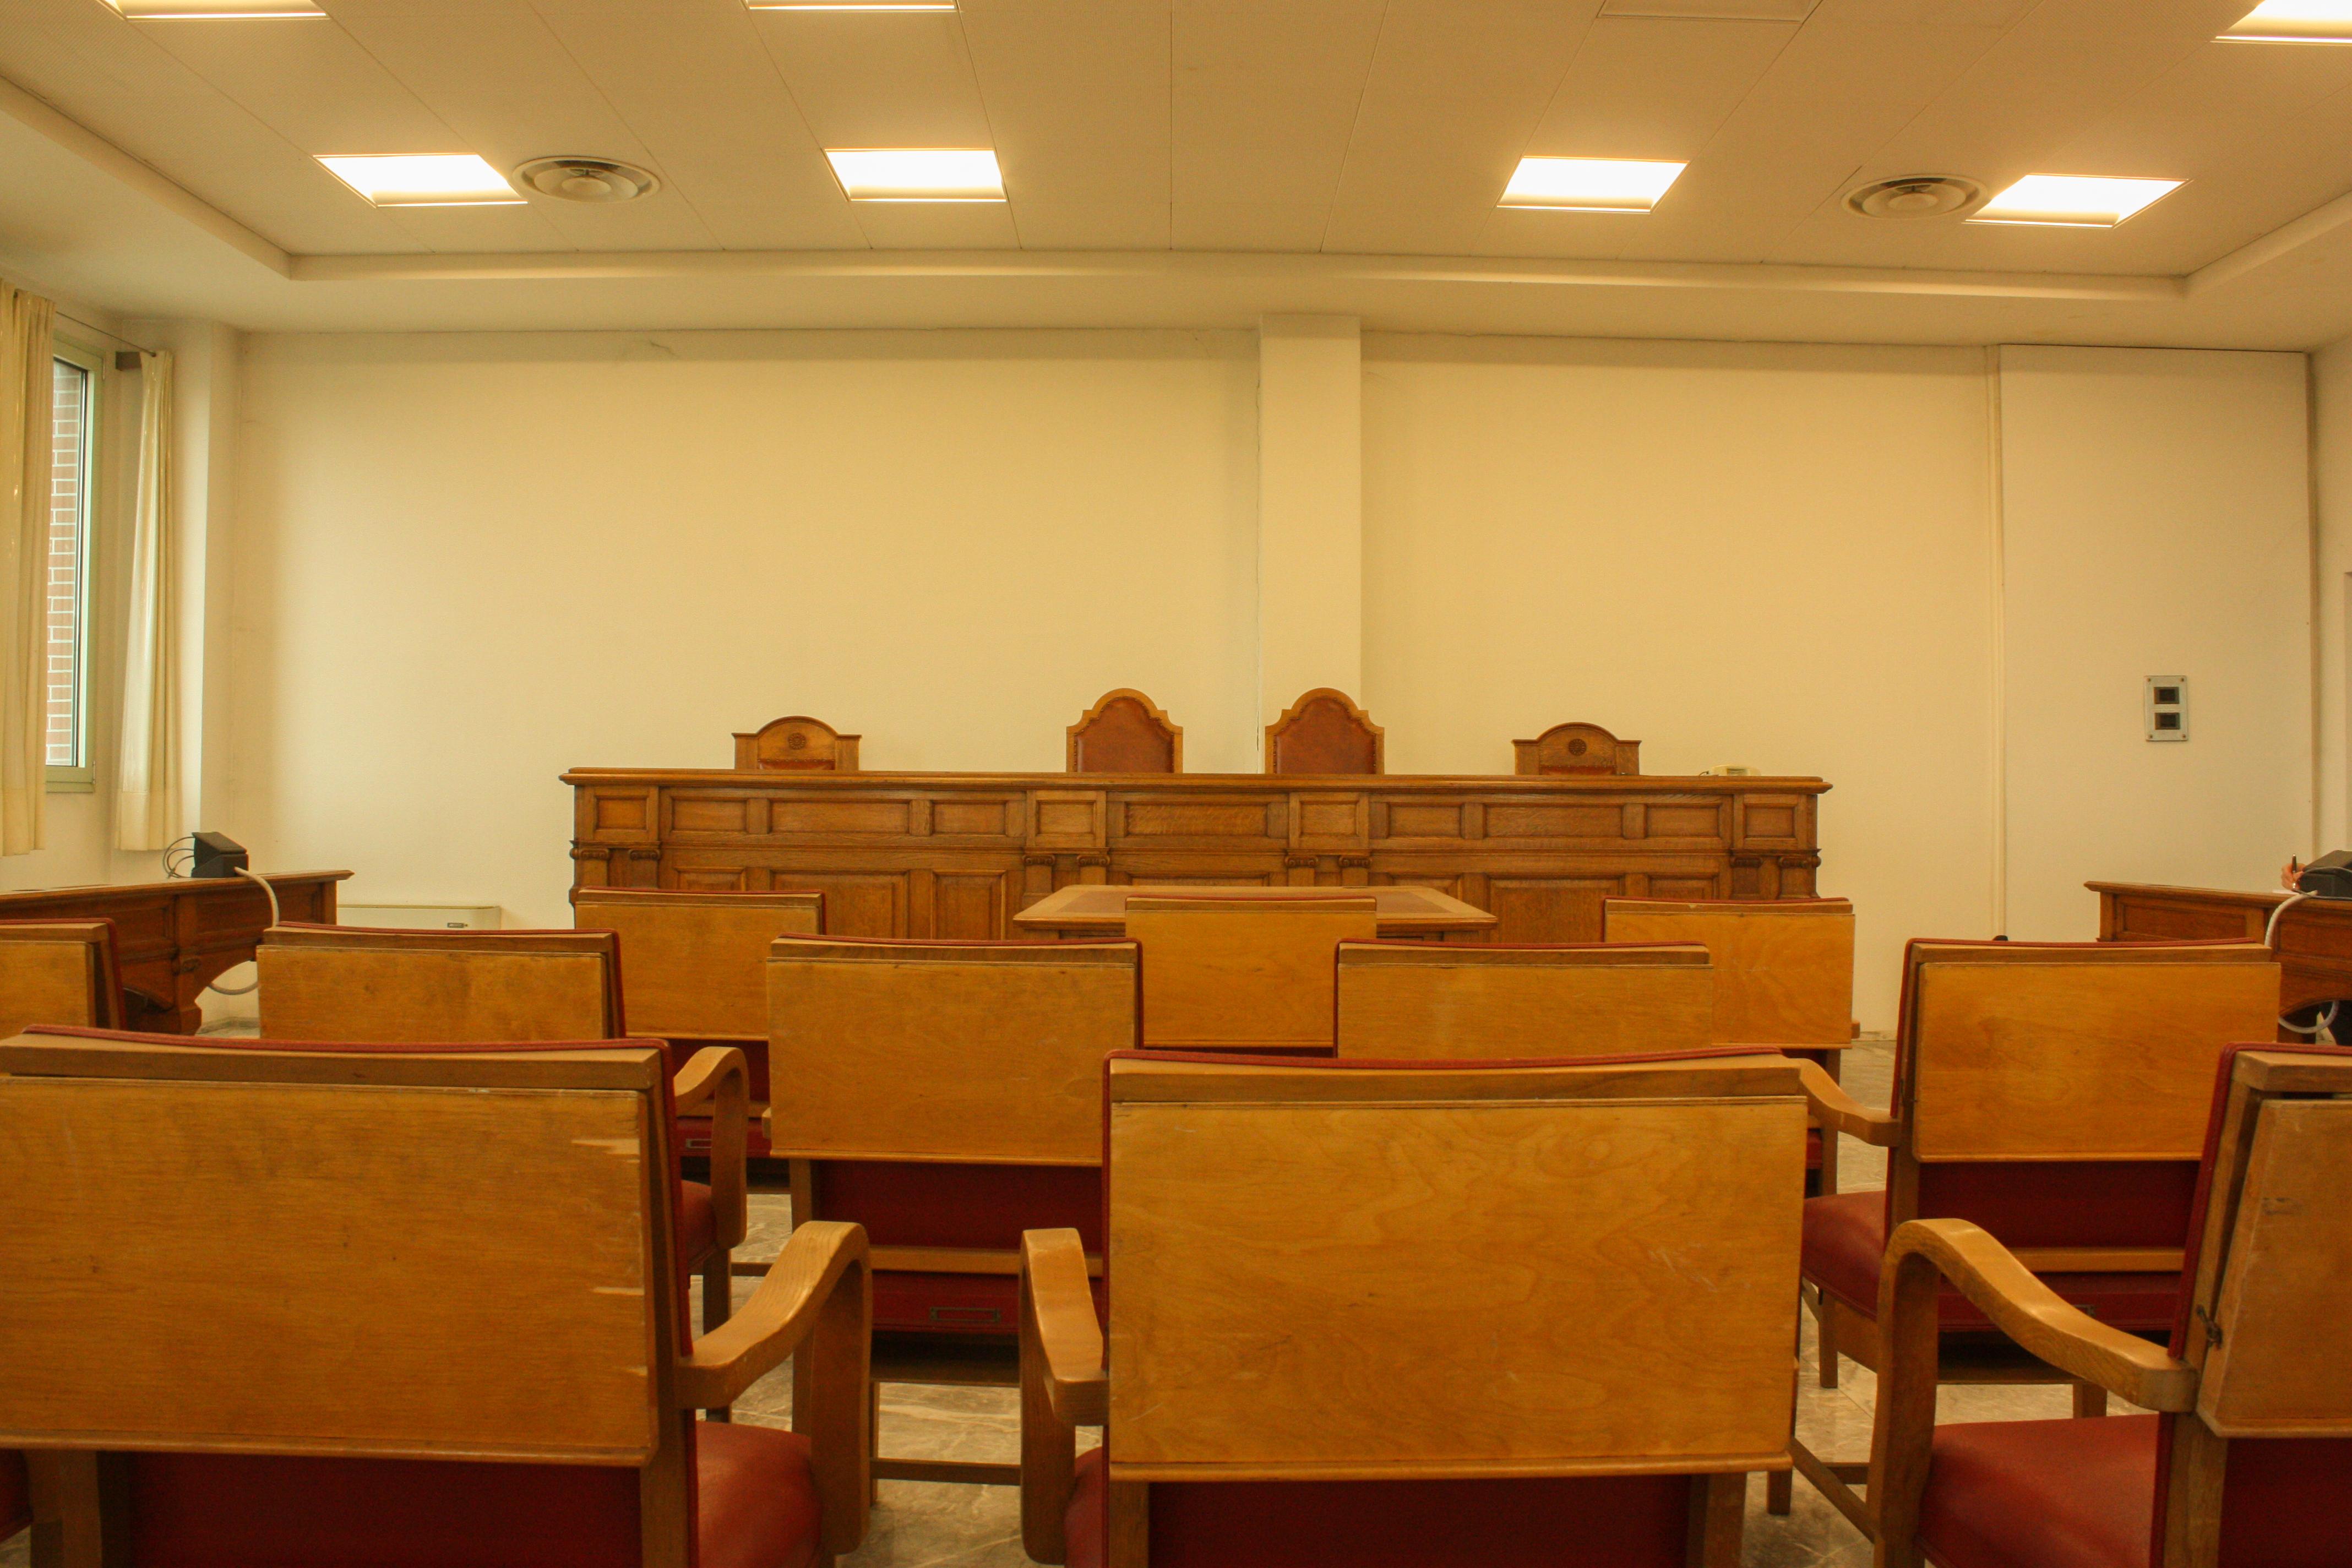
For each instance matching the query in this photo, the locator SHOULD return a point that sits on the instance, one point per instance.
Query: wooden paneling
(2314, 938)
(693, 962)
(1418, 1001)
(1784, 970)
(934, 855)
(1224, 973)
(1312, 1285)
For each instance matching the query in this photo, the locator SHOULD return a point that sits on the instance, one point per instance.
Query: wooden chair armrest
(717, 1076)
(1924, 1253)
(816, 1307)
(1838, 1112)
(1063, 1385)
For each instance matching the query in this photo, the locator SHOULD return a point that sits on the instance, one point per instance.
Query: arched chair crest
(1576, 749)
(1323, 732)
(796, 744)
(1126, 733)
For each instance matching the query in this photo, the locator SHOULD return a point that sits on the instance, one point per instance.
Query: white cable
(262, 882)
(2271, 931)
(2321, 1028)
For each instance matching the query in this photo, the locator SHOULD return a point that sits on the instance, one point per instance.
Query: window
(68, 675)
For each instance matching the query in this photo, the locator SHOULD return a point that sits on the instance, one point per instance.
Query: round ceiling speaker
(1915, 195)
(587, 179)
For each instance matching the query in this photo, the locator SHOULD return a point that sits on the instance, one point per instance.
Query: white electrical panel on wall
(2166, 707)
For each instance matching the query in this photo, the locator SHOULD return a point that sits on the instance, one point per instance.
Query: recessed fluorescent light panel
(437, 180)
(850, 4)
(2296, 22)
(2073, 200)
(1713, 10)
(220, 10)
(918, 174)
(1590, 185)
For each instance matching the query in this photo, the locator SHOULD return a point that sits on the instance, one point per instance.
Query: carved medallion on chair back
(1323, 732)
(796, 744)
(1576, 749)
(1126, 733)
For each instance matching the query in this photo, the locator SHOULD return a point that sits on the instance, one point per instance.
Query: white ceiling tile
(1077, 103)
(1264, 100)
(310, 82)
(1654, 89)
(1246, 226)
(1090, 226)
(1455, 91)
(877, 79)
(702, 97)
(937, 225)
(481, 229)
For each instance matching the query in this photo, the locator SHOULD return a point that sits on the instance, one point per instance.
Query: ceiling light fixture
(214, 10)
(918, 174)
(2296, 22)
(1590, 185)
(433, 180)
(2073, 200)
(850, 4)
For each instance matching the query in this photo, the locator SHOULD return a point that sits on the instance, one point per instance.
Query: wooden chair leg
(1780, 1491)
(1718, 1515)
(2090, 1399)
(718, 1305)
(1825, 1347)
(874, 1435)
(1128, 1544)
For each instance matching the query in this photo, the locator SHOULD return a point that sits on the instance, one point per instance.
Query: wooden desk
(175, 937)
(1083, 910)
(2315, 938)
(959, 855)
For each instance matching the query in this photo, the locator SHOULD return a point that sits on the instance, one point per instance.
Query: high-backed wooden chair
(947, 1095)
(58, 971)
(697, 963)
(1410, 1314)
(2055, 1094)
(1254, 975)
(1784, 977)
(796, 744)
(1576, 748)
(2247, 1462)
(355, 982)
(1126, 733)
(1417, 1000)
(259, 1330)
(1323, 732)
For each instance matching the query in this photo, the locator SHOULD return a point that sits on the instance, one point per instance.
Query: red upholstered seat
(15, 1494)
(1617, 1522)
(1845, 1239)
(2041, 1494)
(757, 1507)
(912, 1204)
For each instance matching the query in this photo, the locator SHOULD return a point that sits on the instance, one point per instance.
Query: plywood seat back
(697, 961)
(1783, 968)
(980, 1052)
(1321, 1271)
(353, 983)
(58, 971)
(1225, 974)
(288, 1257)
(1422, 999)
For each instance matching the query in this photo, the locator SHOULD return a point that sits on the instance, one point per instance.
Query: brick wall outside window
(69, 510)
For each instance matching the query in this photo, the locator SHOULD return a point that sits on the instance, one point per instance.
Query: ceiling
(1190, 163)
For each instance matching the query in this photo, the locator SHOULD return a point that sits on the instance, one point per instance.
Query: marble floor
(929, 1525)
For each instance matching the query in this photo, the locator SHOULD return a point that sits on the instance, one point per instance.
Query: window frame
(82, 779)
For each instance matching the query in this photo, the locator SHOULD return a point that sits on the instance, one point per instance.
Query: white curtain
(147, 800)
(27, 462)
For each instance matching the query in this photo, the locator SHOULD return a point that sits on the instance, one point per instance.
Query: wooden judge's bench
(960, 854)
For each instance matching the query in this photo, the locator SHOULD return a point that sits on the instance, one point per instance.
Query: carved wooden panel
(1576, 749)
(1323, 732)
(796, 744)
(854, 905)
(1126, 733)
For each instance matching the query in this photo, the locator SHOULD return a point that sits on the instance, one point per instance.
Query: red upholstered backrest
(235, 1511)
(2286, 1503)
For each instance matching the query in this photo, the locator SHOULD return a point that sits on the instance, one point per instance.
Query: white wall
(467, 564)
(2331, 465)
(464, 564)
(1765, 556)
(2157, 512)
